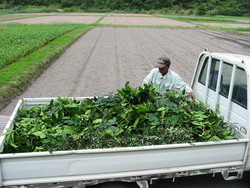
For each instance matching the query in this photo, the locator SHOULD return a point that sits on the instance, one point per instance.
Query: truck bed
(116, 163)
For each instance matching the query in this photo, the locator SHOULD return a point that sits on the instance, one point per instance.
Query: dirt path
(105, 58)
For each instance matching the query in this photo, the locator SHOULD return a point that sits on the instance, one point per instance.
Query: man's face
(164, 70)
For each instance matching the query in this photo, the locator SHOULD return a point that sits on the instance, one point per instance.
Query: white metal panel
(131, 176)
(211, 99)
(120, 160)
(222, 105)
(199, 91)
(238, 114)
(10, 123)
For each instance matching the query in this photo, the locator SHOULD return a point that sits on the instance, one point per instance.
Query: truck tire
(116, 185)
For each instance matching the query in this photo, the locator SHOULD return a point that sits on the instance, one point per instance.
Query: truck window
(240, 88)
(226, 79)
(203, 74)
(214, 73)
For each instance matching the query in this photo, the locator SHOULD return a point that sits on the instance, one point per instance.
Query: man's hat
(163, 62)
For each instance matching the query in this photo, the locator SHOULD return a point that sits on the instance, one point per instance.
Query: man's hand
(191, 94)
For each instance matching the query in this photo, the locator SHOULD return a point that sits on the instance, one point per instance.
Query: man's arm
(191, 94)
(181, 85)
(149, 78)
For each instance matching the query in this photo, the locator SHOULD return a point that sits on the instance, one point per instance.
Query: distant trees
(201, 7)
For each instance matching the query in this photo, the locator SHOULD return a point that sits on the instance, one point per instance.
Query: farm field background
(19, 40)
(177, 37)
(108, 55)
(123, 47)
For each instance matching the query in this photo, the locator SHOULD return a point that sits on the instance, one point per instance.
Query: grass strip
(201, 19)
(15, 77)
(9, 17)
(241, 31)
(100, 19)
(233, 17)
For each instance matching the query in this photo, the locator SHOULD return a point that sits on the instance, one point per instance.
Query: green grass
(233, 17)
(201, 19)
(9, 17)
(2, 12)
(27, 9)
(37, 10)
(15, 77)
(242, 31)
(226, 20)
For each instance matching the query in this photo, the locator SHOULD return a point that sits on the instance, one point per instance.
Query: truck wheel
(116, 185)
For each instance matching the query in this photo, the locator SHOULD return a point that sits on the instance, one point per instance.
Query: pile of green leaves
(131, 117)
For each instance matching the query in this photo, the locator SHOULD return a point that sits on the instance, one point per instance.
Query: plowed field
(105, 58)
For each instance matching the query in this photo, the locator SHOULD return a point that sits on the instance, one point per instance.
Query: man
(165, 78)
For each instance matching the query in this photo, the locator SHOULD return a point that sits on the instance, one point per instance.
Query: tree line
(200, 7)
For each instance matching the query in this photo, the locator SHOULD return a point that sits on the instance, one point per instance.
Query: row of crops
(18, 40)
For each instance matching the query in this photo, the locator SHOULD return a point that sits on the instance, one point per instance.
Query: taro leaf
(39, 134)
(114, 129)
(136, 122)
(197, 123)
(87, 115)
(153, 119)
(229, 137)
(199, 115)
(108, 132)
(69, 129)
(97, 121)
(112, 121)
(39, 148)
(215, 138)
(142, 108)
(163, 101)
(172, 120)
(171, 105)
(64, 135)
(161, 108)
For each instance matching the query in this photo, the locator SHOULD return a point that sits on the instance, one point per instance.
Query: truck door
(223, 87)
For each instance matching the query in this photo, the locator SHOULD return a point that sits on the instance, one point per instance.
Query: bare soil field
(125, 20)
(105, 58)
(62, 13)
(88, 18)
(57, 19)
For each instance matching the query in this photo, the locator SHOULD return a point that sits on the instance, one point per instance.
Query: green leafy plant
(131, 117)
(18, 40)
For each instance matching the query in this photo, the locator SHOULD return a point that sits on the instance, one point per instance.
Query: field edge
(33, 65)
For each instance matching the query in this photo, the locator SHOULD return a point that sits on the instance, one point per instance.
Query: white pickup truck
(222, 81)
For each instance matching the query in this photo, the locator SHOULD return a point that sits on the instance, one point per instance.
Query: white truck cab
(221, 81)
